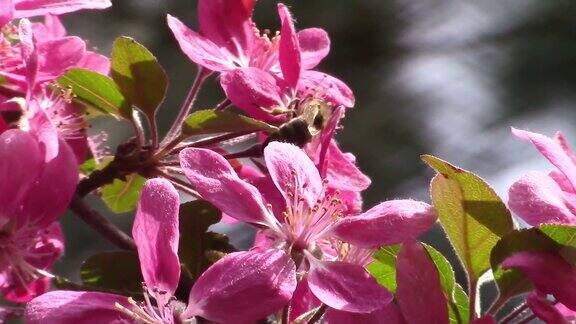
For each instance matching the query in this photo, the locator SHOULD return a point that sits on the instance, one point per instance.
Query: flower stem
(201, 76)
(519, 310)
(318, 315)
(178, 183)
(101, 224)
(473, 291)
(527, 319)
(210, 141)
(223, 105)
(285, 314)
(138, 129)
(254, 151)
(495, 307)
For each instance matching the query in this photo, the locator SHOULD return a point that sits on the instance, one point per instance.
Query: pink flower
(228, 39)
(260, 75)
(548, 311)
(30, 65)
(51, 52)
(241, 287)
(547, 198)
(419, 295)
(310, 218)
(264, 95)
(14, 9)
(549, 272)
(34, 192)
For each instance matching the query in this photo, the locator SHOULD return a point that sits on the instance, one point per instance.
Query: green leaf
(88, 166)
(117, 271)
(459, 310)
(561, 234)
(471, 213)
(65, 284)
(198, 249)
(383, 268)
(138, 74)
(122, 196)
(444, 270)
(211, 121)
(96, 91)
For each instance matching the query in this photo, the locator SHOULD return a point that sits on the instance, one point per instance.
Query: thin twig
(497, 305)
(254, 151)
(527, 319)
(210, 141)
(318, 315)
(201, 76)
(178, 183)
(138, 129)
(285, 314)
(473, 290)
(223, 105)
(153, 131)
(519, 310)
(101, 224)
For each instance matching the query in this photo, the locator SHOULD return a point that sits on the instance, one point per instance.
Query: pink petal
(548, 312)
(51, 29)
(342, 172)
(95, 62)
(6, 11)
(302, 300)
(552, 150)
(29, 53)
(156, 234)
(390, 222)
(389, 314)
(243, 287)
(419, 293)
(213, 177)
(19, 293)
(198, 48)
(228, 24)
(20, 166)
(50, 195)
(43, 129)
(252, 90)
(538, 199)
(289, 48)
(50, 248)
(326, 87)
(266, 186)
(75, 307)
(563, 142)
(346, 287)
(314, 46)
(549, 273)
(56, 56)
(293, 172)
(31, 8)
(562, 181)
(352, 202)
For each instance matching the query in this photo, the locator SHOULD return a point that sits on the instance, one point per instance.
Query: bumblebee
(309, 118)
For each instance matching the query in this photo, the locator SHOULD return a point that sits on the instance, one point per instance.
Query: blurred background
(445, 77)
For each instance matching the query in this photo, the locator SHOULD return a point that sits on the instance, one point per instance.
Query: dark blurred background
(445, 77)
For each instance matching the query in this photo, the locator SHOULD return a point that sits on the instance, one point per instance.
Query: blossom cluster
(265, 156)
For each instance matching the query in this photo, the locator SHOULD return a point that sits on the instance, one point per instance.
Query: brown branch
(101, 224)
